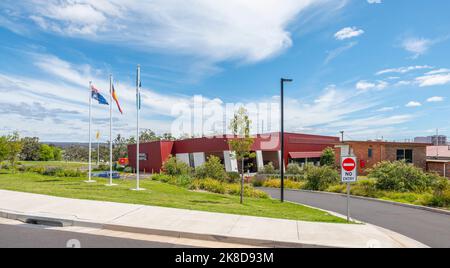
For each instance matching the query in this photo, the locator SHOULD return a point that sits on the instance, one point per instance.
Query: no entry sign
(349, 169)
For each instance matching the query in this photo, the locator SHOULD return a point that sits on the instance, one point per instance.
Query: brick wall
(438, 168)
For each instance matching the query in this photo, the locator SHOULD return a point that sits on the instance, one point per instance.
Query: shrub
(128, 170)
(233, 177)
(269, 169)
(102, 167)
(320, 178)
(441, 200)
(212, 168)
(209, 185)
(258, 180)
(173, 166)
(294, 169)
(400, 176)
(327, 158)
(288, 184)
(249, 191)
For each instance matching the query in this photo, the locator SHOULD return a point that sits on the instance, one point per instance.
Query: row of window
(402, 154)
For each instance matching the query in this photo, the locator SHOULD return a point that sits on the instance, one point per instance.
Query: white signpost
(349, 173)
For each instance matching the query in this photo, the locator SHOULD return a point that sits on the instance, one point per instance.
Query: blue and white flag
(95, 94)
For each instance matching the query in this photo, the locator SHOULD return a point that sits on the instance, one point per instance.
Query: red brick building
(369, 153)
(301, 148)
(438, 160)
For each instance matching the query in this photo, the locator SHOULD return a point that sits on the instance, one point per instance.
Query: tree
(120, 148)
(57, 153)
(76, 153)
(148, 135)
(14, 145)
(4, 148)
(328, 158)
(31, 149)
(242, 143)
(46, 153)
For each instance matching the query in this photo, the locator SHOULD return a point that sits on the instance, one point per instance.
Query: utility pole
(282, 81)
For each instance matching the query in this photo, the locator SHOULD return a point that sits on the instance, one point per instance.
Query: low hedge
(288, 184)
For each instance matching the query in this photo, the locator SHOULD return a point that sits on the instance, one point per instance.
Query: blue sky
(374, 68)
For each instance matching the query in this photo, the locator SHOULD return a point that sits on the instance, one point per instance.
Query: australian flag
(95, 94)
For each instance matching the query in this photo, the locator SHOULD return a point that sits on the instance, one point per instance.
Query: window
(405, 154)
(370, 153)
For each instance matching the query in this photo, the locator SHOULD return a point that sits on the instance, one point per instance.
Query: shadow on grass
(49, 181)
(206, 202)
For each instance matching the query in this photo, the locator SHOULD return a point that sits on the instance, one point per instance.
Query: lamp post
(282, 81)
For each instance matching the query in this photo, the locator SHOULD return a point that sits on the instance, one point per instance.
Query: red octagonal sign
(349, 164)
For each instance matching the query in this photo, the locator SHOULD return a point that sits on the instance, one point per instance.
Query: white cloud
(403, 70)
(386, 109)
(417, 46)
(413, 104)
(433, 79)
(348, 32)
(250, 31)
(374, 1)
(439, 71)
(435, 99)
(364, 85)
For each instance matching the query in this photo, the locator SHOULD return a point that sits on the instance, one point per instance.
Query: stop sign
(349, 164)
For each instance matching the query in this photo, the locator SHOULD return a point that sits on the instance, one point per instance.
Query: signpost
(349, 174)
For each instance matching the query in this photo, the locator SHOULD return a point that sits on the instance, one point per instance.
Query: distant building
(438, 160)
(435, 140)
(370, 153)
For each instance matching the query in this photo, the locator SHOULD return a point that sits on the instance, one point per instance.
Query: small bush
(269, 169)
(101, 167)
(128, 170)
(294, 169)
(320, 178)
(441, 200)
(212, 168)
(400, 176)
(173, 166)
(233, 177)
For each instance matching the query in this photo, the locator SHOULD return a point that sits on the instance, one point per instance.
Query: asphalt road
(429, 228)
(17, 236)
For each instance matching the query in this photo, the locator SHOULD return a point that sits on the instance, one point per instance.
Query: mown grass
(159, 194)
(61, 164)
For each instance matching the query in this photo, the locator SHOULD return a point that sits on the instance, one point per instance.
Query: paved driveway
(430, 228)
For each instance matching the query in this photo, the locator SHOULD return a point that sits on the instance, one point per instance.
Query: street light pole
(282, 81)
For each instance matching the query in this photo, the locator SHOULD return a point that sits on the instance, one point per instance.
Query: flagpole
(90, 134)
(138, 107)
(110, 133)
(98, 149)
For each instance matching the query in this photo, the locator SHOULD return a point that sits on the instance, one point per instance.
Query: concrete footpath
(257, 231)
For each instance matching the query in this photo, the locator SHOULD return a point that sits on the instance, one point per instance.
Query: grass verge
(160, 194)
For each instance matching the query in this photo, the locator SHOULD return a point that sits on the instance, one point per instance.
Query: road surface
(429, 228)
(14, 236)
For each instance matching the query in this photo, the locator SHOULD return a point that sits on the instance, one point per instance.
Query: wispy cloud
(331, 55)
(403, 70)
(212, 30)
(433, 79)
(418, 46)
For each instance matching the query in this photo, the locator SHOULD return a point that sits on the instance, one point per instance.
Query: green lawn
(159, 194)
(62, 164)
